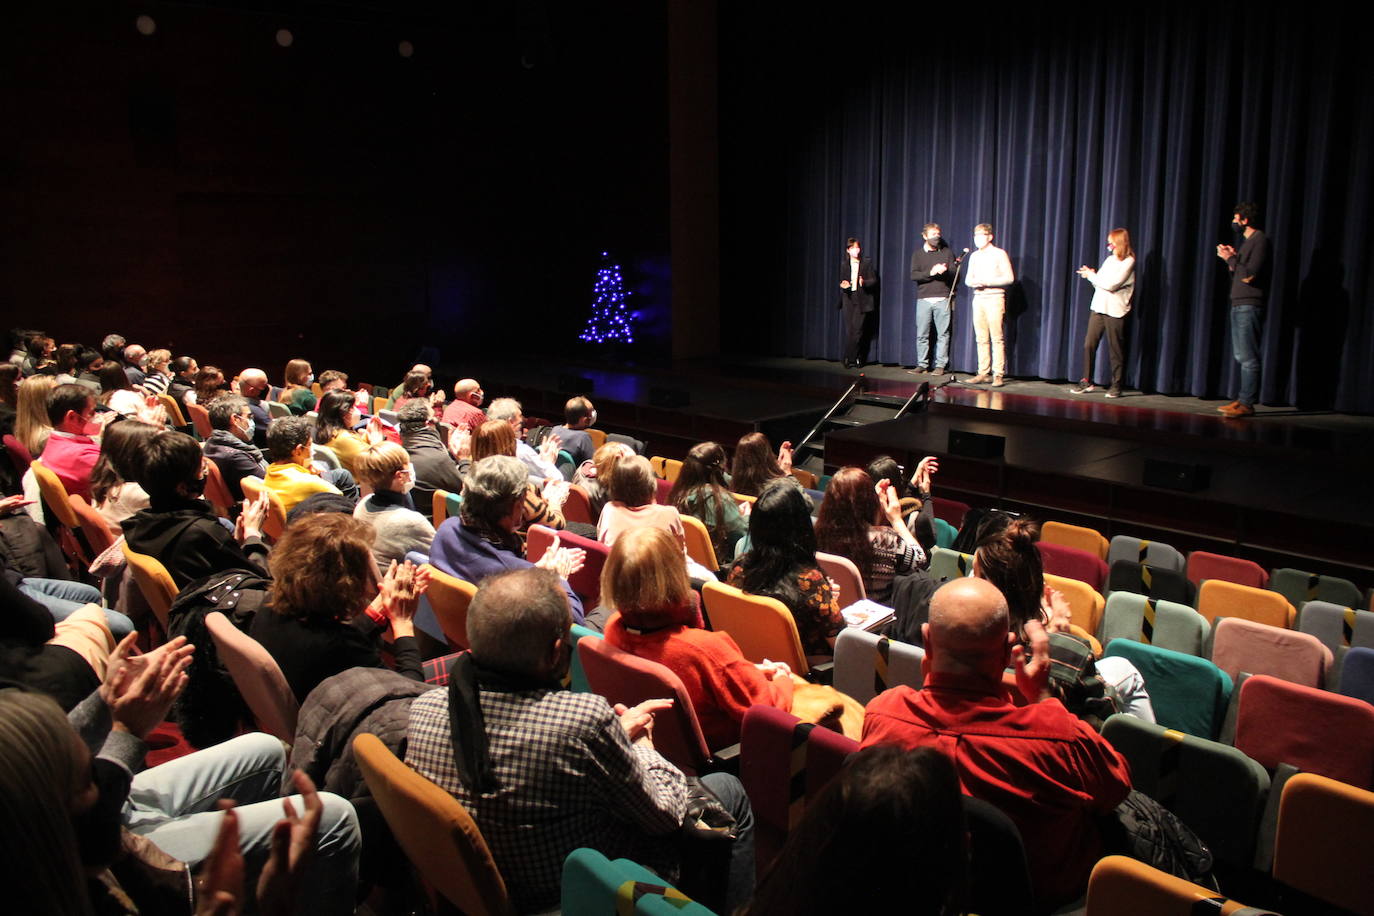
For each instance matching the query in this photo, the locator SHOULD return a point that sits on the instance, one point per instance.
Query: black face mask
(98, 829)
(935, 242)
(1237, 227)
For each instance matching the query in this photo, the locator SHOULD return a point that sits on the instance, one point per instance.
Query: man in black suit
(858, 281)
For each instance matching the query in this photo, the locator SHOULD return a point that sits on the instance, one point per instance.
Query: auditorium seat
(950, 510)
(1215, 789)
(867, 664)
(1156, 554)
(950, 564)
(1357, 677)
(449, 598)
(1160, 623)
(1339, 628)
(945, 533)
(1203, 565)
(1218, 598)
(843, 572)
(577, 507)
(622, 677)
(1072, 563)
(1255, 648)
(1188, 693)
(1121, 886)
(1075, 536)
(586, 582)
(1300, 587)
(594, 885)
(1085, 603)
(1313, 730)
(1161, 584)
(762, 627)
(1321, 848)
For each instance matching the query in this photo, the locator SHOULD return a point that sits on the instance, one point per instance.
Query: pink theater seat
(1073, 563)
(1315, 731)
(1256, 648)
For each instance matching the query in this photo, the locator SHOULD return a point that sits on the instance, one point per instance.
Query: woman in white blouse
(1113, 284)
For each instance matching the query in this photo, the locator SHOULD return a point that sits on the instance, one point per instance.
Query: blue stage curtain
(1057, 129)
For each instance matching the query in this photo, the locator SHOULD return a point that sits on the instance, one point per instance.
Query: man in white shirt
(989, 275)
(540, 463)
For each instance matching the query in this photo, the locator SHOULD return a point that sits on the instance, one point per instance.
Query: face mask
(408, 485)
(98, 829)
(250, 430)
(935, 242)
(309, 380)
(1237, 227)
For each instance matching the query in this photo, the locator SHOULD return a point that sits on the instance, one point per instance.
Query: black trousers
(854, 331)
(1098, 324)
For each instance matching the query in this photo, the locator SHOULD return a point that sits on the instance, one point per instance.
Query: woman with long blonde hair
(31, 426)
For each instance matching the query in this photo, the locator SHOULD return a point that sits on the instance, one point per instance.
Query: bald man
(1051, 773)
(255, 388)
(466, 409)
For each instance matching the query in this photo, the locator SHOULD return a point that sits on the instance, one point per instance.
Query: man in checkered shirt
(544, 771)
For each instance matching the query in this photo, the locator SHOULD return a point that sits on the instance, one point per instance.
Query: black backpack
(210, 709)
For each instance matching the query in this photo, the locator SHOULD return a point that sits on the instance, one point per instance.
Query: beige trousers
(987, 330)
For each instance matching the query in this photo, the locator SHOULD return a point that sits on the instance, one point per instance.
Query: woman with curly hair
(209, 385)
(495, 437)
(863, 522)
(327, 611)
(781, 563)
(702, 491)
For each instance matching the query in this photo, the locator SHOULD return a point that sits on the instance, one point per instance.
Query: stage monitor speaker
(1176, 475)
(975, 445)
(575, 384)
(669, 397)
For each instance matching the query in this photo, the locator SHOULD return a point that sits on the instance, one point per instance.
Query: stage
(1283, 487)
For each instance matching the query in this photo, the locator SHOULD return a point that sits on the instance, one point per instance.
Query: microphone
(961, 257)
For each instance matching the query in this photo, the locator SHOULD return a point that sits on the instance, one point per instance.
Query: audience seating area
(1252, 674)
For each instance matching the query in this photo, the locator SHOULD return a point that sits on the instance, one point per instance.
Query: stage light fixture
(285, 38)
(145, 25)
(405, 49)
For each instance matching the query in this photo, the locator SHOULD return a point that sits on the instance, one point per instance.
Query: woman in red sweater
(645, 583)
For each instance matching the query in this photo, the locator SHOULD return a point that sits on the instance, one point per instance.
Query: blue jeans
(936, 309)
(173, 805)
(1246, 329)
(63, 598)
(718, 872)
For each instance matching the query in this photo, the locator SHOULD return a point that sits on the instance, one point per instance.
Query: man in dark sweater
(932, 270)
(230, 445)
(435, 465)
(1249, 283)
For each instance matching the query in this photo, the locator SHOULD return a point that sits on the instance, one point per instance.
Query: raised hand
(1033, 674)
(293, 846)
(928, 468)
(140, 694)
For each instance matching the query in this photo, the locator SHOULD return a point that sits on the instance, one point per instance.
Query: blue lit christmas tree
(610, 318)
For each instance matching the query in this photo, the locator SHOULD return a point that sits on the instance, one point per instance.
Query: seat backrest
(257, 676)
(276, 409)
(1155, 582)
(826, 754)
(1121, 886)
(153, 581)
(945, 533)
(1188, 693)
(54, 494)
(663, 488)
(449, 597)
(1159, 623)
(598, 436)
(867, 664)
(1075, 536)
(1085, 602)
(1313, 730)
(434, 830)
(93, 525)
(174, 414)
(217, 491)
(324, 457)
(621, 677)
(656, 464)
(1357, 677)
(275, 522)
(1219, 598)
(999, 878)
(1320, 849)
(439, 507)
(19, 454)
(200, 419)
(1072, 563)
(1299, 587)
(586, 582)
(1256, 648)
(773, 770)
(951, 510)
(577, 677)
(578, 506)
(1215, 789)
(596, 886)
(950, 564)
(845, 574)
(763, 628)
(671, 468)
(699, 546)
(1203, 565)
(1149, 553)
(1339, 628)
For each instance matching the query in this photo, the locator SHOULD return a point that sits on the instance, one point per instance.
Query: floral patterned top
(818, 616)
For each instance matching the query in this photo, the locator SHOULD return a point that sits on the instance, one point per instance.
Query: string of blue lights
(610, 318)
